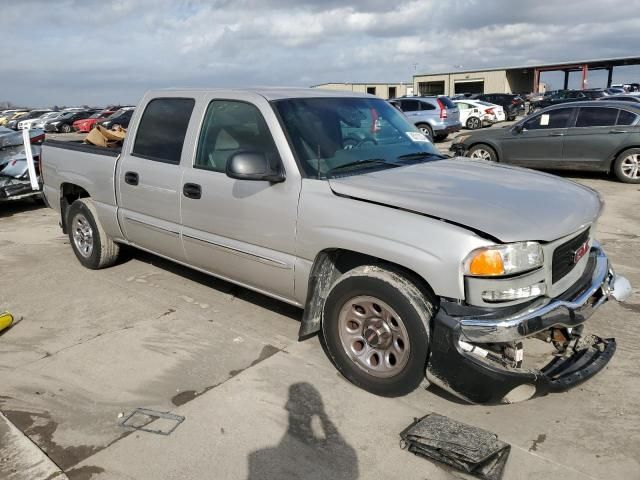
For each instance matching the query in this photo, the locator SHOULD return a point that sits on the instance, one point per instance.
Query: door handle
(192, 190)
(131, 178)
(556, 134)
(618, 131)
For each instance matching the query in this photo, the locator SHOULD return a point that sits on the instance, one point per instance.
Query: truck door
(149, 177)
(241, 230)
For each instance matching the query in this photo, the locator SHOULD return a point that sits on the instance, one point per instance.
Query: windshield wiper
(416, 155)
(368, 162)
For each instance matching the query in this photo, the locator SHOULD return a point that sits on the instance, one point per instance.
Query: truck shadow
(311, 448)
(209, 281)
(8, 209)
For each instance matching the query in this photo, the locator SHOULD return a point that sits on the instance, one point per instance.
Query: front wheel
(91, 244)
(483, 152)
(627, 166)
(65, 128)
(426, 129)
(374, 330)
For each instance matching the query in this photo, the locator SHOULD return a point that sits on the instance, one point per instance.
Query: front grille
(563, 256)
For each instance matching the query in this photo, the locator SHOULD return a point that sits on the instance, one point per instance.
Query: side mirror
(517, 129)
(252, 166)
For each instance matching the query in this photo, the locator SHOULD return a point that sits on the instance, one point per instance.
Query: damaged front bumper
(477, 355)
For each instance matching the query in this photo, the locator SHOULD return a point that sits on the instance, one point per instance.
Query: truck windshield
(345, 136)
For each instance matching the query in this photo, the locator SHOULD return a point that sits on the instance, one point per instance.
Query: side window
(626, 118)
(596, 117)
(426, 106)
(462, 105)
(162, 129)
(553, 119)
(229, 127)
(410, 105)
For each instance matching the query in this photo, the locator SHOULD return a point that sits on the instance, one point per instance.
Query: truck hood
(507, 203)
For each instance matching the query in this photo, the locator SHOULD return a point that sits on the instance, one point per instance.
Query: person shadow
(312, 447)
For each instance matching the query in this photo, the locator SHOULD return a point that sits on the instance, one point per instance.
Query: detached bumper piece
(464, 447)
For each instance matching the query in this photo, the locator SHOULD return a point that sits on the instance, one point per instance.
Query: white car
(473, 115)
(491, 108)
(31, 122)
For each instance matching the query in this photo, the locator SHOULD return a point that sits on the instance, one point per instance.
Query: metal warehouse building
(511, 79)
(383, 90)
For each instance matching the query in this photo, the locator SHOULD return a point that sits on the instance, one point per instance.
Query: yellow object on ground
(6, 320)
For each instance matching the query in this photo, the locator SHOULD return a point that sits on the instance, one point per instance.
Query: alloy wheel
(630, 166)
(82, 235)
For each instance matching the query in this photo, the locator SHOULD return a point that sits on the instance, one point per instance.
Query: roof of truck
(270, 93)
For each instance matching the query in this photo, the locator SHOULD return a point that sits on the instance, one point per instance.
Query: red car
(87, 124)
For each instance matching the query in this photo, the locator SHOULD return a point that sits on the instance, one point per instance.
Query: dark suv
(512, 104)
(566, 96)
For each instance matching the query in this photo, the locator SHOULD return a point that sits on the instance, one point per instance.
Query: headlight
(504, 259)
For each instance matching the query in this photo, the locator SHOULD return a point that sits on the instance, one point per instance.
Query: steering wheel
(358, 143)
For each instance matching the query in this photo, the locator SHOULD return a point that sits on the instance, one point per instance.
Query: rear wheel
(374, 330)
(627, 166)
(65, 128)
(426, 129)
(483, 152)
(473, 123)
(92, 246)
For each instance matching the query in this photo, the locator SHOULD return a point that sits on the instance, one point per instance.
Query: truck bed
(83, 147)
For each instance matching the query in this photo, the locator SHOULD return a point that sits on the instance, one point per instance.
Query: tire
(482, 151)
(473, 123)
(627, 166)
(92, 246)
(426, 129)
(392, 360)
(65, 128)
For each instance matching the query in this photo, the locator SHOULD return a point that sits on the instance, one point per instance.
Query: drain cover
(144, 419)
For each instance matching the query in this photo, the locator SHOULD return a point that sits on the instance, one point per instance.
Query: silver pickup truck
(405, 262)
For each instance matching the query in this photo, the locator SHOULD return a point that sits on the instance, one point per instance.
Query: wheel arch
(615, 156)
(69, 193)
(328, 265)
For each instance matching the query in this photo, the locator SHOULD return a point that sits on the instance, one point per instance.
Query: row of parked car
(78, 119)
(438, 116)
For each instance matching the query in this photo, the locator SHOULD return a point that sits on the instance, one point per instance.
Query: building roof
(593, 64)
(362, 83)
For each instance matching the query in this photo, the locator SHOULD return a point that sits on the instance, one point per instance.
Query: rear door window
(409, 105)
(426, 106)
(558, 118)
(162, 129)
(626, 118)
(597, 117)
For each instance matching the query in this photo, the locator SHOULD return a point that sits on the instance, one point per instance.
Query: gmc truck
(405, 262)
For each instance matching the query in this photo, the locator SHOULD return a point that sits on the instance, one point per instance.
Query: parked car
(64, 122)
(37, 122)
(621, 98)
(9, 138)
(512, 104)
(121, 118)
(436, 117)
(10, 115)
(14, 178)
(33, 114)
(404, 260)
(597, 136)
(492, 109)
(615, 91)
(566, 96)
(86, 124)
(473, 115)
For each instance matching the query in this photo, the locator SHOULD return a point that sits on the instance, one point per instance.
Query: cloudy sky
(97, 52)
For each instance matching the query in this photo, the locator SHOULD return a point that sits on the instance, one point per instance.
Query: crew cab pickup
(405, 262)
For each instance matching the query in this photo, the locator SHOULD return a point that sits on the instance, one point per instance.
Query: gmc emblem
(581, 252)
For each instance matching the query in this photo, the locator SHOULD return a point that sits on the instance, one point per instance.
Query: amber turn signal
(486, 263)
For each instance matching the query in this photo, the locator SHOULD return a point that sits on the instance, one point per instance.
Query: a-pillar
(585, 73)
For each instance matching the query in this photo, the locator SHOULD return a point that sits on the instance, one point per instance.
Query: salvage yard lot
(148, 333)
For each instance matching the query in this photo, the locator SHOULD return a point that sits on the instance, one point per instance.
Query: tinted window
(230, 127)
(626, 118)
(446, 101)
(552, 119)
(410, 105)
(426, 106)
(162, 129)
(596, 117)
